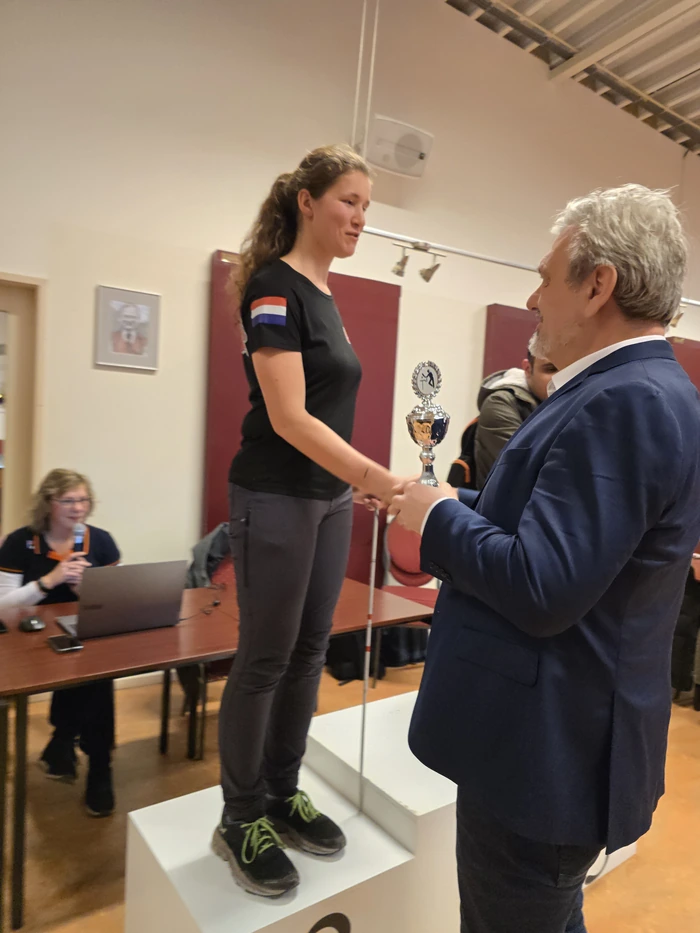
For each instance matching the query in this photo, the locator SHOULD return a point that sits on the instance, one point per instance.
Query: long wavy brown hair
(275, 230)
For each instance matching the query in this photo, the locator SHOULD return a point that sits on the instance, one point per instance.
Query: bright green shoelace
(260, 836)
(301, 804)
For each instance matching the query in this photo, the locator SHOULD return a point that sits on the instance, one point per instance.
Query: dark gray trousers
(290, 556)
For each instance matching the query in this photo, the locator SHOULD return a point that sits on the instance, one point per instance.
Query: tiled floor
(75, 864)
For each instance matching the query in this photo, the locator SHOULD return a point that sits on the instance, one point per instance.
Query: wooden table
(205, 633)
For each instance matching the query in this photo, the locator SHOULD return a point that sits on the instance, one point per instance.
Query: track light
(428, 273)
(678, 315)
(400, 267)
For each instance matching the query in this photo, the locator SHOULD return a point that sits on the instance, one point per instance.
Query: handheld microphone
(78, 536)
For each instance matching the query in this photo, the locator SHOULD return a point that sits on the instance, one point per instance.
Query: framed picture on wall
(127, 328)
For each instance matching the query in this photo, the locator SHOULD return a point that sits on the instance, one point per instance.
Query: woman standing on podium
(43, 563)
(291, 511)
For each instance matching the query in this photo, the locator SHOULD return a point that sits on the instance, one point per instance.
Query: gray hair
(638, 232)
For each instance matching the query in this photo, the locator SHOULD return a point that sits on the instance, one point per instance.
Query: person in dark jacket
(505, 400)
(546, 695)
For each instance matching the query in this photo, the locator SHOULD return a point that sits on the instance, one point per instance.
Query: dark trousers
(509, 884)
(290, 556)
(86, 713)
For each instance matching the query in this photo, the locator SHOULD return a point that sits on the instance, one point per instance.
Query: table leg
(192, 724)
(203, 714)
(20, 804)
(4, 706)
(165, 713)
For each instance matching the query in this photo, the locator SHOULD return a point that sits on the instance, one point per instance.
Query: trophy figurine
(428, 422)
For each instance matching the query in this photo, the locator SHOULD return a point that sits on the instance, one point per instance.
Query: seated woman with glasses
(40, 564)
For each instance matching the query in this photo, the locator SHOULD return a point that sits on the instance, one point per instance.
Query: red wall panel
(508, 332)
(370, 312)
(688, 355)
(227, 390)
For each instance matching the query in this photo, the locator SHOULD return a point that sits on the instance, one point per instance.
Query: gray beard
(543, 347)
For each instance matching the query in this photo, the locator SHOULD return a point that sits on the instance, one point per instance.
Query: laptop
(127, 598)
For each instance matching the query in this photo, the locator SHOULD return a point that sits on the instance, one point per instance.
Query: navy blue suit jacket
(547, 689)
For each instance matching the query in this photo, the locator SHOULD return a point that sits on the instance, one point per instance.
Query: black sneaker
(99, 793)
(254, 855)
(59, 760)
(301, 825)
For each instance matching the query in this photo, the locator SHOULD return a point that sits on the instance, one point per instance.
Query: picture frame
(127, 328)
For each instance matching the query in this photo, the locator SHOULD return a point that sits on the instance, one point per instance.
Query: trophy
(428, 422)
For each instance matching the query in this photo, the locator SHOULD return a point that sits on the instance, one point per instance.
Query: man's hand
(411, 505)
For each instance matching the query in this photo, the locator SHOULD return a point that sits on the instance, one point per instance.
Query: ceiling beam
(626, 33)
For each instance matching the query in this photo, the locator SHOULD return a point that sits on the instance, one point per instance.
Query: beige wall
(138, 137)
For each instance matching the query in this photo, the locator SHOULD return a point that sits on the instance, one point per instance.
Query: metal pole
(370, 83)
(353, 137)
(425, 245)
(368, 653)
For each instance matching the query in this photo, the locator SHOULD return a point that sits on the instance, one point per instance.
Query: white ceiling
(643, 56)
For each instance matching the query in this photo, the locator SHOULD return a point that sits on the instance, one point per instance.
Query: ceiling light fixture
(400, 267)
(427, 273)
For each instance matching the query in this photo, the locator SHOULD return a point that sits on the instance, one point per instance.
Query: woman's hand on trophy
(378, 483)
(370, 502)
(402, 483)
(394, 486)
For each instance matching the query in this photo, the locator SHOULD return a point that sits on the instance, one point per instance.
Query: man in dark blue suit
(546, 695)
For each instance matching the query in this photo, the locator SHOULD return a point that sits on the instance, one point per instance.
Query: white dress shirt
(560, 379)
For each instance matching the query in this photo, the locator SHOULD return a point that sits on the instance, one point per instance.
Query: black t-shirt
(283, 309)
(27, 553)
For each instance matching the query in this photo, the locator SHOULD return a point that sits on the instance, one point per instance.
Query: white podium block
(401, 795)
(413, 804)
(175, 884)
(397, 875)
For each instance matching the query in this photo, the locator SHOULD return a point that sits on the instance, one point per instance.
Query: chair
(402, 559)
(696, 672)
(402, 550)
(212, 566)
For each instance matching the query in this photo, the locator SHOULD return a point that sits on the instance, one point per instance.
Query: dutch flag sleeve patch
(268, 311)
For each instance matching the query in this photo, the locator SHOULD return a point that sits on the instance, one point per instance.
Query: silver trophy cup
(427, 422)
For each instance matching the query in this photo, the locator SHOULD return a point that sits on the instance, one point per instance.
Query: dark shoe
(59, 760)
(99, 793)
(254, 855)
(301, 825)
(696, 697)
(683, 698)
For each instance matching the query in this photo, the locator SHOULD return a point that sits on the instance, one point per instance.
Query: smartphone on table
(61, 643)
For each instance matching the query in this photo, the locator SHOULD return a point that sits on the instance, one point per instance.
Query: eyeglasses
(66, 503)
